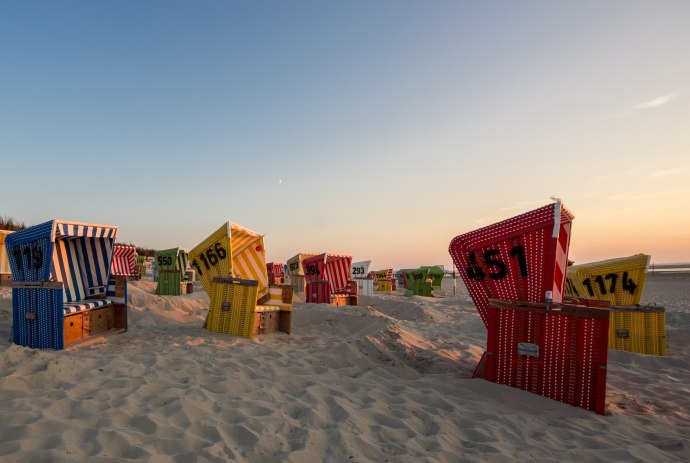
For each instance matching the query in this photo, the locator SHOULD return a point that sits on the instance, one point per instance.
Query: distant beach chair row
(549, 324)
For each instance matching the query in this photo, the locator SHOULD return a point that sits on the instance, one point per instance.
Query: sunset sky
(380, 129)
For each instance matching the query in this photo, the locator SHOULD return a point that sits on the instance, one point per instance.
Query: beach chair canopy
(332, 267)
(386, 274)
(275, 269)
(436, 273)
(416, 274)
(620, 281)
(360, 269)
(124, 260)
(519, 259)
(172, 259)
(76, 254)
(294, 264)
(234, 251)
(4, 261)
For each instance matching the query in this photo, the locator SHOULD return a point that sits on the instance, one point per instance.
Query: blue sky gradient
(380, 129)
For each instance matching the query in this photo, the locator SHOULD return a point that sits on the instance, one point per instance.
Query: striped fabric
(82, 265)
(386, 274)
(124, 260)
(74, 307)
(4, 262)
(332, 267)
(295, 264)
(249, 256)
(182, 260)
(275, 294)
(275, 269)
(65, 229)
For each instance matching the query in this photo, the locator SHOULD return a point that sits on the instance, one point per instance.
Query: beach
(386, 381)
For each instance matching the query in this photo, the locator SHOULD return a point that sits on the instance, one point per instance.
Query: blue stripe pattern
(73, 307)
(82, 265)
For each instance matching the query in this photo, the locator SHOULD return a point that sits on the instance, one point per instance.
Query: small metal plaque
(30, 315)
(623, 333)
(225, 306)
(526, 348)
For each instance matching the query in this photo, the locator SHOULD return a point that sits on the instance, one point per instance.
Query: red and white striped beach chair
(124, 260)
(328, 280)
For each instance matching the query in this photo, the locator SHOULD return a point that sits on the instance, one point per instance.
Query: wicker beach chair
(621, 282)
(171, 265)
(231, 265)
(296, 271)
(360, 275)
(62, 290)
(5, 272)
(328, 280)
(523, 258)
(124, 261)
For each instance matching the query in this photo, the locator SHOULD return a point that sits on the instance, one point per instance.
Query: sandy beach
(387, 381)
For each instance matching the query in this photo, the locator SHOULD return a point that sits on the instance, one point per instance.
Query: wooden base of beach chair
(343, 299)
(5, 279)
(186, 287)
(272, 321)
(83, 325)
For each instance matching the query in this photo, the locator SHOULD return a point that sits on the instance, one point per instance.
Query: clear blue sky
(376, 128)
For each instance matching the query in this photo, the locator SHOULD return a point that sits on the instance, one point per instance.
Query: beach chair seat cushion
(83, 306)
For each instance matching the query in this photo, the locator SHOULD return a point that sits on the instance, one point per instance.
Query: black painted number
(628, 284)
(34, 257)
(497, 267)
(211, 257)
(313, 270)
(165, 260)
(357, 270)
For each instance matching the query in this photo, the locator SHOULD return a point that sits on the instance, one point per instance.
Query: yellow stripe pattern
(4, 261)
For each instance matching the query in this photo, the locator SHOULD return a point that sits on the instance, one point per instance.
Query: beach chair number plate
(357, 271)
(628, 284)
(211, 257)
(497, 267)
(165, 260)
(313, 270)
(294, 266)
(34, 257)
(528, 349)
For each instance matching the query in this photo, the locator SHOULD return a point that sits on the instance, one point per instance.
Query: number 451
(498, 268)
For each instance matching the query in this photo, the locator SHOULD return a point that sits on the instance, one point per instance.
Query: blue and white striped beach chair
(62, 290)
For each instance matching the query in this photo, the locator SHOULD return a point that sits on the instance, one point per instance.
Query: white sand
(386, 381)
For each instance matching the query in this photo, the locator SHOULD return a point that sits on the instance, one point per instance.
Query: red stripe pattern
(516, 259)
(275, 270)
(335, 268)
(124, 260)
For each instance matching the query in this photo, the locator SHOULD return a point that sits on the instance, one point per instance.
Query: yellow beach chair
(231, 265)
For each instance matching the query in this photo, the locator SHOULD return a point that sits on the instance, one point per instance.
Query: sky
(380, 129)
